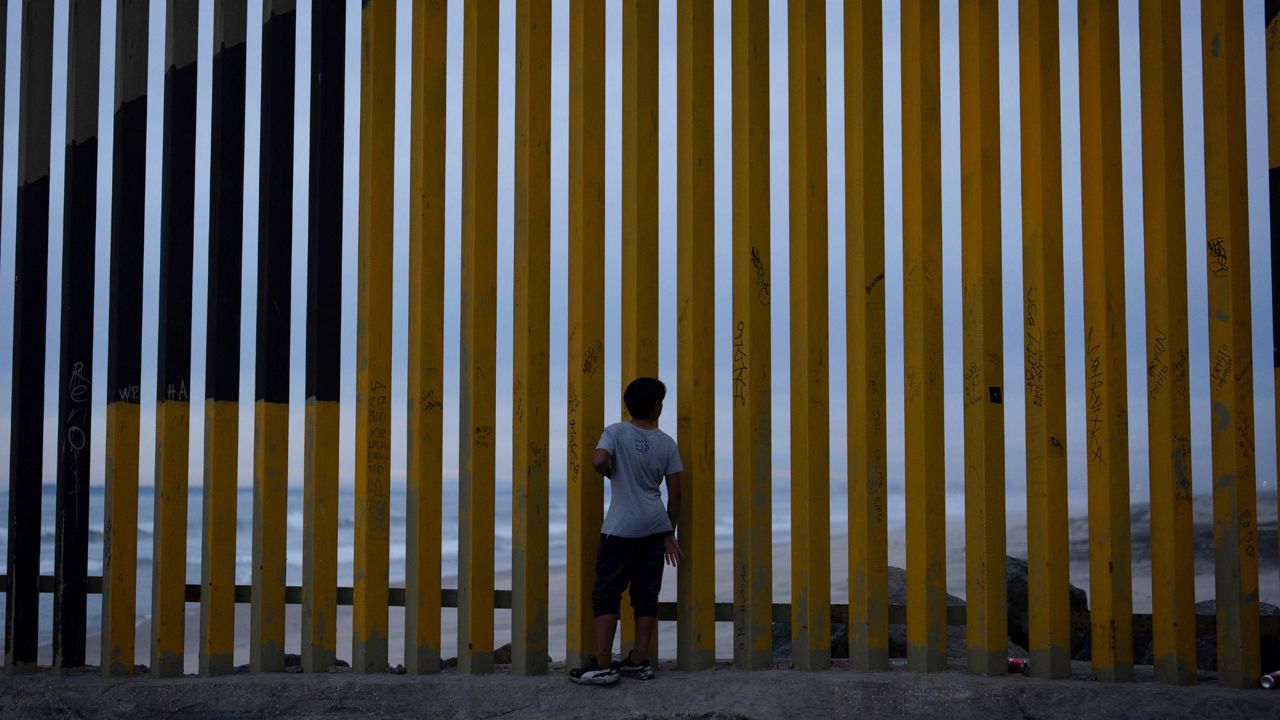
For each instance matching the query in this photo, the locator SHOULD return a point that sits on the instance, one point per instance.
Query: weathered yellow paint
(639, 190)
(810, 437)
(426, 337)
(585, 417)
(1044, 344)
(695, 298)
(986, 619)
(479, 335)
(1235, 531)
(922, 315)
(270, 519)
(169, 544)
(1168, 396)
(1106, 398)
(120, 539)
(218, 546)
(640, 279)
(530, 345)
(865, 300)
(1273, 142)
(320, 535)
(373, 334)
(752, 431)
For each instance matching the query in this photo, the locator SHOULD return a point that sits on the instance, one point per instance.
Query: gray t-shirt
(641, 459)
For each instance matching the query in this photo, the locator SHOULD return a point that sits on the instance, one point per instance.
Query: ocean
(346, 535)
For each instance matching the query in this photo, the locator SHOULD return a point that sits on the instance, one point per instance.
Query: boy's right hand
(671, 549)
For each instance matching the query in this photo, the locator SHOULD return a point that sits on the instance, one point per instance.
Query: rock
(1210, 607)
(1207, 652)
(502, 656)
(781, 642)
(957, 643)
(1017, 598)
(1207, 645)
(839, 640)
(898, 589)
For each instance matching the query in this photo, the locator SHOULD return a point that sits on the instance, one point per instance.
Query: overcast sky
(1011, 182)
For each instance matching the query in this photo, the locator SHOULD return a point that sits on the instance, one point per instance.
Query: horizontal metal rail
(1205, 624)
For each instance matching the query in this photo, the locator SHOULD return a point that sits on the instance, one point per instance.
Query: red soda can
(1020, 665)
(1271, 681)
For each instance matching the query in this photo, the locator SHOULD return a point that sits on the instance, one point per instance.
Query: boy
(637, 533)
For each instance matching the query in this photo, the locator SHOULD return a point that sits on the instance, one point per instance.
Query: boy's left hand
(671, 548)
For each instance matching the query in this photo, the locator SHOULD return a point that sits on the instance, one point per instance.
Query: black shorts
(634, 563)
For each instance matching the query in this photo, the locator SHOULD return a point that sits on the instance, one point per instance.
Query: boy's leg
(606, 596)
(644, 631)
(605, 627)
(646, 582)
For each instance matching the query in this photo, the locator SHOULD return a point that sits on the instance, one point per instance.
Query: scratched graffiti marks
(1157, 364)
(575, 460)
(739, 365)
(972, 385)
(1033, 344)
(761, 277)
(592, 359)
(427, 401)
(379, 442)
(1095, 382)
(75, 434)
(1219, 265)
(1221, 368)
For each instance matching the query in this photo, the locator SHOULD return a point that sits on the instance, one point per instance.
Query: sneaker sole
(610, 680)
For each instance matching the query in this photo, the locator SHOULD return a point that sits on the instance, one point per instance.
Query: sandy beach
(1016, 542)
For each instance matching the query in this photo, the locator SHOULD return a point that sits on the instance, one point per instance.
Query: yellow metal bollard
(324, 341)
(531, 332)
(695, 298)
(986, 618)
(1168, 354)
(271, 406)
(479, 335)
(426, 337)
(922, 313)
(1235, 526)
(752, 432)
(222, 371)
(173, 401)
(373, 335)
(864, 300)
(639, 219)
(585, 416)
(124, 343)
(810, 440)
(1273, 141)
(1106, 400)
(1044, 346)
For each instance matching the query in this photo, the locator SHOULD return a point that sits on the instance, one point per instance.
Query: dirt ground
(717, 693)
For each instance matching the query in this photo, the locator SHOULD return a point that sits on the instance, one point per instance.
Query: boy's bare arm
(673, 498)
(602, 462)
(670, 546)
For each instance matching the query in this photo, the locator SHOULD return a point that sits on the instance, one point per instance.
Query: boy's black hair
(642, 394)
